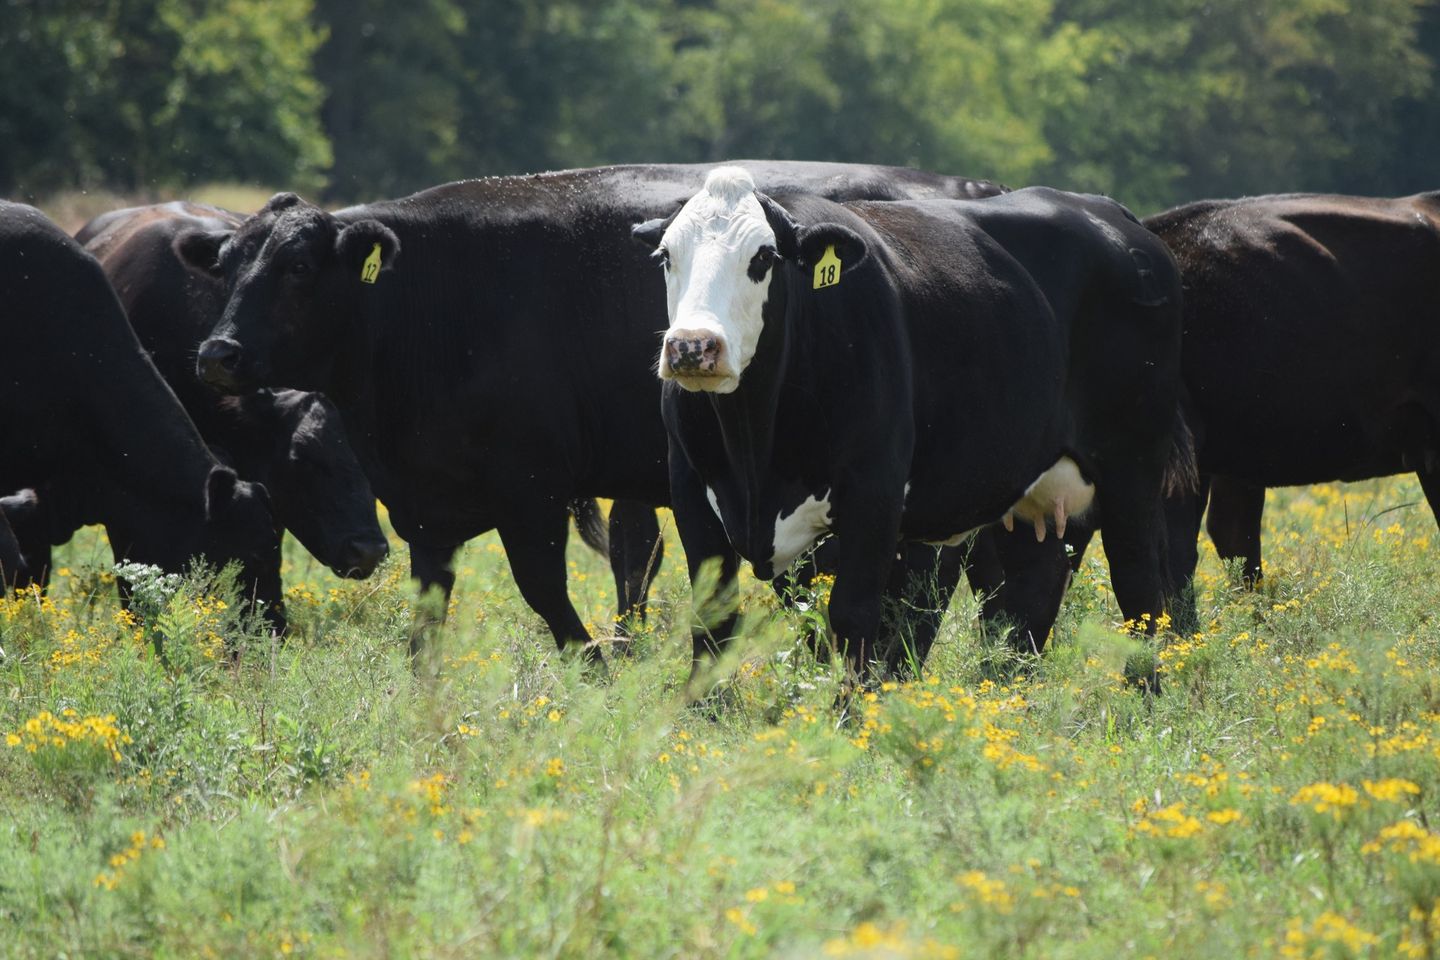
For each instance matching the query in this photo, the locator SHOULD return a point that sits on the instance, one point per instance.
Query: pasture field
(317, 798)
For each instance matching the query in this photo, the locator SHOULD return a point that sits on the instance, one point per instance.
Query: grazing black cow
(88, 417)
(1308, 356)
(913, 371)
(489, 343)
(293, 442)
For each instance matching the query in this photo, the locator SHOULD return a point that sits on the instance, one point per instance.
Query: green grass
(319, 798)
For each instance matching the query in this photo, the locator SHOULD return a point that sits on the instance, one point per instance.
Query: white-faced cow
(913, 371)
(1309, 355)
(489, 344)
(88, 417)
(294, 442)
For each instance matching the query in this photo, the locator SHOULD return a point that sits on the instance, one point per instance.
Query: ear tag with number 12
(827, 270)
(371, 268)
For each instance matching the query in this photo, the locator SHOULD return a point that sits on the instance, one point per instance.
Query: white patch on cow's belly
(796, 533)
(1060, 492)
(714, 503)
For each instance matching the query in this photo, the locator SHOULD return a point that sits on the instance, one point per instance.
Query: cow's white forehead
(725, 211)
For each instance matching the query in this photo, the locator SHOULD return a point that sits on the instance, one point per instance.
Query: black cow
(913, 371)
(1308, 356)
(489, 344)
(87, 413)
(293, 442)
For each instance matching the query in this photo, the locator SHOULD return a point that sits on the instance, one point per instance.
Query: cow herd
(932, 375)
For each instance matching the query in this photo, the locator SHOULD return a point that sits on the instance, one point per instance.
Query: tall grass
(321, 798)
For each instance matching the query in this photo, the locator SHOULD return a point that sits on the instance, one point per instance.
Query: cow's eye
(662, 256)
(760, 263)
(299, 268)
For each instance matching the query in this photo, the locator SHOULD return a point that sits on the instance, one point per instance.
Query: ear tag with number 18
(827, 270)
(371, 268)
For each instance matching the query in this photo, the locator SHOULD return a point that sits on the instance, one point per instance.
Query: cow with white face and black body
(914, 371)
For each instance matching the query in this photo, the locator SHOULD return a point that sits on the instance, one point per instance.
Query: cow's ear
(219, 489)
(787, 231)
(365, 243)
(199, 250)
(651, 232)
(648, 234)
(849, 246)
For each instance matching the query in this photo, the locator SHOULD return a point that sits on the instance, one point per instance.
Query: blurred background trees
(1154, 103)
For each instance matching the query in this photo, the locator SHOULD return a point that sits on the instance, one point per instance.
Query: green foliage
(1191, 99)
(1153, 103)
(157, 93)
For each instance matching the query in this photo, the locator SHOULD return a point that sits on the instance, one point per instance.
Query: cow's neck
(148, 444)
(748, 416)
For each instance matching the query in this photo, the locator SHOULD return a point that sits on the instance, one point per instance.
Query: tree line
(1153, 103)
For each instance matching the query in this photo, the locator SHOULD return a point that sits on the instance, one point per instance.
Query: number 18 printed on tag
(827, 270)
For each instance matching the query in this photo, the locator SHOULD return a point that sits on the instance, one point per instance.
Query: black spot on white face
(760, 263)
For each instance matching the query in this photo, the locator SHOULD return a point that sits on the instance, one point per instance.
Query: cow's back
(1309, 326)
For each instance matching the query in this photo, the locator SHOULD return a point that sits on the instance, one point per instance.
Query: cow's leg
(433, 567)
(534, 542)
(1132, 515)
(12, 563)
(705, 542)
(868, 529)
(1430, 484)
(37, 563)
(1130, 506)
(922, 582)
(1182, 533)
(430, 567)
(636, 549)
(30, 523)
(1236, 509)
(1036, 575)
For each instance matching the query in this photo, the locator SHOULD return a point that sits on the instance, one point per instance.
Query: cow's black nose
(687, 353)
(360, 557)
(217, 359)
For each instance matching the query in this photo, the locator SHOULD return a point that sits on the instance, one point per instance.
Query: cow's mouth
(704, 381)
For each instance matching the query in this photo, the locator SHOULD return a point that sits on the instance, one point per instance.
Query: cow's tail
(1182, 474)
(591, 524)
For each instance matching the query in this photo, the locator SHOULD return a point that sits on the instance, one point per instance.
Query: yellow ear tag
(371, 268)
(827, 270)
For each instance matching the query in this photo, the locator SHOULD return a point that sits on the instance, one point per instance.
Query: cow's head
(292, 273)
(319, 489)
(726, 253)
(240, 526)
(229, 520)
